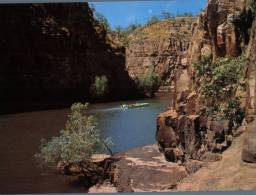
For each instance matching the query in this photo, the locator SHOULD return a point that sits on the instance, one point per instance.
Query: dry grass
(163, 29)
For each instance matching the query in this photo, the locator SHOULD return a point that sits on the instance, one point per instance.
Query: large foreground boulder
(145, 169)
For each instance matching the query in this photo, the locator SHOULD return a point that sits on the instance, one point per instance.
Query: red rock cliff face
(159, 48)
(251, 73)
(52, 52)
(222, 30)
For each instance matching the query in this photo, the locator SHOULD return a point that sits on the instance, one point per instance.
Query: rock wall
(251, 73)
(51, 53)
(223, 30)
(159, 48)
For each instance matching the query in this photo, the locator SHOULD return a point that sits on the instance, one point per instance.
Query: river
(21, 134)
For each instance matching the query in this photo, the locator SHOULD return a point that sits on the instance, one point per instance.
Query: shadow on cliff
(50, 55)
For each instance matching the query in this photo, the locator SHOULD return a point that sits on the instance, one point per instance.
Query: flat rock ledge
(145, 169)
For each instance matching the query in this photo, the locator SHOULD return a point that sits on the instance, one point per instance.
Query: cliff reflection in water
(19, 172)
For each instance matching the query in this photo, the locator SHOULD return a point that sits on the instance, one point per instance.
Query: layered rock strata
(159, 48)
(222, 30)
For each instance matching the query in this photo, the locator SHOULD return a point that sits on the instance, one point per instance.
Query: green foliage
(123, 33)
(102, 20)
(218, 83)
(100, 86)
(185, 14)
(204, 66)
(165, 15)
(77, 141)
(149, 83)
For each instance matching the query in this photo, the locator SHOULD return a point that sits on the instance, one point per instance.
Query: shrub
(76, 142)
(103, 20)
(100, 87)
(167, 15)
(185, 14)
(218, 83)
(153, 20)
(149, 83)
(123, 33)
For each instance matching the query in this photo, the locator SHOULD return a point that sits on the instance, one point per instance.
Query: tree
(100, 86)
(185, 14)
(149, 83)
(76, 142)
(103, 20)
(123, 33)
(167, 15)
(153, 20)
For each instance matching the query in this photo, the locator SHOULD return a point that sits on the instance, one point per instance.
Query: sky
(123, 13)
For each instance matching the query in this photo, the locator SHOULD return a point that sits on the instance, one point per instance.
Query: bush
(153, 20)
(77, 141)
(123, 33)
(148, 83)
(185, 14)
(103, 20)
(218, 83)
(219, 80)
(167, 15)
(100, 87)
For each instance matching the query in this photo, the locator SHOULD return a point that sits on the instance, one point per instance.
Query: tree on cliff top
(167, 15)
(103, 20)
(77, 142)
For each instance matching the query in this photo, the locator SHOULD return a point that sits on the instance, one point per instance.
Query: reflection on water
(21, 134)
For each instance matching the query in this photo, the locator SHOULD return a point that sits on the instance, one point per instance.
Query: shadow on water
(21, 134)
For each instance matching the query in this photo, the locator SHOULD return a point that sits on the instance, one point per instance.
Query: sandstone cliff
(50, 54)
(159, 48)
(223, 29)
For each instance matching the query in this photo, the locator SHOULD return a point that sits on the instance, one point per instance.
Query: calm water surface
(21, 134)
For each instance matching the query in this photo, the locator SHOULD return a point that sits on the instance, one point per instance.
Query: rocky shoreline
(145, 169)
(195, 143)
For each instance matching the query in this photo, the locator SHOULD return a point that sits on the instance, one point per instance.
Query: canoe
(136, 105)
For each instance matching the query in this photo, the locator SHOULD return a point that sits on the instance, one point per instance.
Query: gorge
(51, 54)
(199, 136)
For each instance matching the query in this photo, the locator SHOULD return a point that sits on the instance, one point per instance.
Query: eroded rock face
(251, 73)
(182, 137)
(52, 53)
(159, 48)
(249, 146)
(145, 170)
(222, 30)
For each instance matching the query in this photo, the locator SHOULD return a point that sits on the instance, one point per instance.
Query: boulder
(145, 169)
